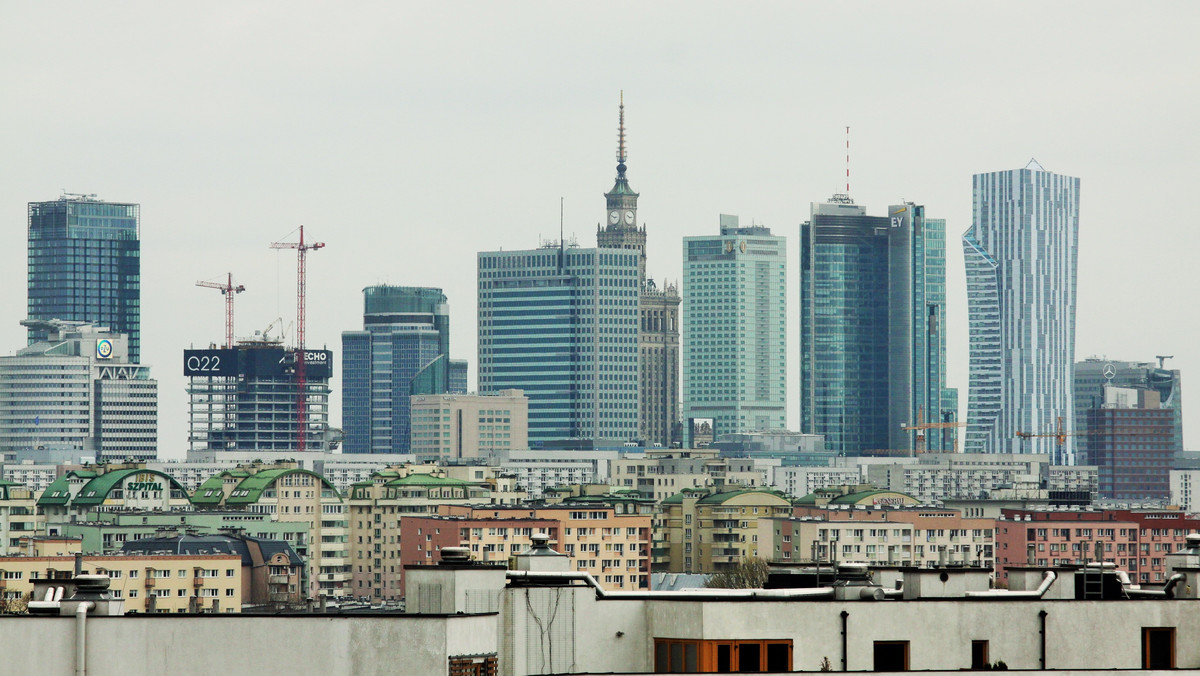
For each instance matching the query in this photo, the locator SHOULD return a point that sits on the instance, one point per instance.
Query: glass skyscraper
(561, 323)
(85, 266)
(872, 328)
(403, 349)
(735, 329)
(1021, 255)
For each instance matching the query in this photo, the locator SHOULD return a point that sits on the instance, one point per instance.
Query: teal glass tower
(561, 323)
(735, 329)
(403, 349)
(872, 328)
(85, 266)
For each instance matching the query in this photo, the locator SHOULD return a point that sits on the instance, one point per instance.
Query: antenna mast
(228, 290)
(302, 250)
(621, 133)
(847, 160)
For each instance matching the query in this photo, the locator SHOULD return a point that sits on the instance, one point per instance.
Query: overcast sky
(409, 136)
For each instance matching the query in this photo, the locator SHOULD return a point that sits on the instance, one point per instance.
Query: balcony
(197, 582)
(278, 579)
(150, 582)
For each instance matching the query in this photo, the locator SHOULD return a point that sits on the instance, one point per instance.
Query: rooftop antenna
(847, 160)
(562, 243)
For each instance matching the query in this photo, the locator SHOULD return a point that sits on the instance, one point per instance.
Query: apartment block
(905, 537)
(1136, 541)
(605, 536)
(286, 493)
(699, 531)
(149, 584)
(660, 474)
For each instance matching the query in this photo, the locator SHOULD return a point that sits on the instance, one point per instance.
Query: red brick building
(1136, 541)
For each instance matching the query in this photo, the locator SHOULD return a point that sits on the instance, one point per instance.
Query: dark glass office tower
(872, 339)
(403, 349)
(85, 265)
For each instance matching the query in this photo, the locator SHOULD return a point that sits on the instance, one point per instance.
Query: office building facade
(1093, 374)
(467, 426)
(85, 266)
(78, 390)
(403, 350)
(1020, 257)
(735, 328)
(658, 332)
(561, 324)
(872, 329)
(1131, 441)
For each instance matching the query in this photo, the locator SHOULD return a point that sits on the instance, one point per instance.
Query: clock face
(614, 217)
(628, 218)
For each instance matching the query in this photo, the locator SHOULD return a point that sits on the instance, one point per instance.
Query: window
(979, 655)
(1158, 647)
(715, 656)
(891, 656)
(473, 666)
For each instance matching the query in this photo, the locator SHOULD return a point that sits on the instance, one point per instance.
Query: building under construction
(245, 398)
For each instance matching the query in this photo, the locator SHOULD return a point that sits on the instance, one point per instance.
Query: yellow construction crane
(921, 426)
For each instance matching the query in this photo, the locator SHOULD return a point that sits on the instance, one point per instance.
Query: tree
(749, 573)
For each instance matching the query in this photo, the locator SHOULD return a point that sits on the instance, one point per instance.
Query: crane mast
(228, 290)
(302, 250)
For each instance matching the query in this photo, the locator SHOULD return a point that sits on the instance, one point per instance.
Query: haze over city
(410, 137)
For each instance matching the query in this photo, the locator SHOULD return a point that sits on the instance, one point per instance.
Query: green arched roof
(58, 493)
(96, 491)
(256, 483)
(718, 498)
(855, 498)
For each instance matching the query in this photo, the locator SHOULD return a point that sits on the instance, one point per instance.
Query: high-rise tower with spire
(658, 332)
(621, 229)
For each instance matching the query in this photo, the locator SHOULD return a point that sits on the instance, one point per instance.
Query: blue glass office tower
(561, 323)
(872, 338)
(735, 328)
(1021, 256)
(403, 349)
(85, 266)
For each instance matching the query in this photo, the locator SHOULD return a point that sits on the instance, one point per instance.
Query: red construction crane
(228, 290)
(302, 250)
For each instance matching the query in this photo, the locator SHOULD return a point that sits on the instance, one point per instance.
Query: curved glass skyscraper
(1021, 255)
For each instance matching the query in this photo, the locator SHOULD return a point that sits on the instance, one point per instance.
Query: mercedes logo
(1110, 371)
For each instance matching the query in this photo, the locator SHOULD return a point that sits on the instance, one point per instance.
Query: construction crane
(921, 426)
(1059, 435)
(302, 250)
(228, 290)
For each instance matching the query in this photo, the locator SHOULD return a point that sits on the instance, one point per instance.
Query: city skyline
(223, 165)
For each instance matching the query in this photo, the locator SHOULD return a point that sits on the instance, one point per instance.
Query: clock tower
(620, 229)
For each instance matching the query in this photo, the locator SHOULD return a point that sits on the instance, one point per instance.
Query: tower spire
(621, 137)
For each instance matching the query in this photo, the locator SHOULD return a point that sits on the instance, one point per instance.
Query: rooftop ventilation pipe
(1047, 580)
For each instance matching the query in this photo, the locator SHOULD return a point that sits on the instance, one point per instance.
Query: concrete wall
(202, 646)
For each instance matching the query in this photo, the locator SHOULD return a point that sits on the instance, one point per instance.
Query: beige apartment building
(159, 584)
(923, 537)
(18, 515)
(608, 538)
(287, 493)
(661, 473)
(458, 426)
(376, 507)
(705, 532)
